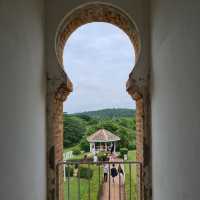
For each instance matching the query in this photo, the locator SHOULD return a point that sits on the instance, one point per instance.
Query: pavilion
(102, 140)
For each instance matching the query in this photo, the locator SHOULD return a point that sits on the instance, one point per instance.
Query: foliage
(102, 156)
(84, 186)
(124, 137)
(123, 151)
(74, 129)
(76, 151)
(132, 177)
(78, 127)
(131, 146)
(69, 171)
(109, 113)
(84, 117)
(84, 145)
(85, 172)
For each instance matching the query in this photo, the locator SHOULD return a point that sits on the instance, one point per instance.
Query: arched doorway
(62, 86)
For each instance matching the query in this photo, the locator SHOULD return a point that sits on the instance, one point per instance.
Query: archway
(98, 12)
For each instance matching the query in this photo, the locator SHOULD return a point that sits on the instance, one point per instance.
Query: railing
(128, 189)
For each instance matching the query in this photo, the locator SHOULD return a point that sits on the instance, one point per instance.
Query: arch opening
(87, 54)
(92, 54)
(87, 13)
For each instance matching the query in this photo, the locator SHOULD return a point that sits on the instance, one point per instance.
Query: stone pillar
(58, 90)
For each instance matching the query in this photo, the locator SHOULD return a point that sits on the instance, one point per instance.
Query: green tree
(124, 137)
(84, 145)
(74, 130)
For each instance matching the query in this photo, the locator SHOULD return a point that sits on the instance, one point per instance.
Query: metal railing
(128, 190)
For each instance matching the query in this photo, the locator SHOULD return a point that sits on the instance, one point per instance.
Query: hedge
(69, 171)
(131, 146)
(76, 151)
(102, 156)
(123, 151)
(85, 172)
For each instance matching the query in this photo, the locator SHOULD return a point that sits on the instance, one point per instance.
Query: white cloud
(98, 58)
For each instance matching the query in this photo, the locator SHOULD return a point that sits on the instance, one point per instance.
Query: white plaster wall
(175, 33)
(22, 107)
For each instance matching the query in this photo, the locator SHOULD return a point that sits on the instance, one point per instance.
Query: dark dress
(120, 171)
(113, 172)
(112, 149)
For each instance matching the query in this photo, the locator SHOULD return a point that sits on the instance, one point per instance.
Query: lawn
(77, 157)
(94, 181)
(84, 186)
(131, 192)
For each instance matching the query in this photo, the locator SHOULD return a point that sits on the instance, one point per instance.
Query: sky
(98, 58)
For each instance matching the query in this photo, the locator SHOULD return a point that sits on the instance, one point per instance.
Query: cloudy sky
(98, 58)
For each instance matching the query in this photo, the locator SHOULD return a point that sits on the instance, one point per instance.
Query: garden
(91, 177)
(84, 178)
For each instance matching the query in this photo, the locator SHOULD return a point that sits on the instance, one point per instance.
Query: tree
(84, 144)
(124, 137)
(74, 130)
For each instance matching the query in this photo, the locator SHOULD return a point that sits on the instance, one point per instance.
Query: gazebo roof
(103, 135)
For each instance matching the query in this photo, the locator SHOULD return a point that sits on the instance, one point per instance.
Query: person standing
(113, 172)
(121, 174)
(105, 172)
(112, 149)
(93, 149)
(95, 158)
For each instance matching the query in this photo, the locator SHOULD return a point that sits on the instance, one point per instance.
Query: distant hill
(108, 113)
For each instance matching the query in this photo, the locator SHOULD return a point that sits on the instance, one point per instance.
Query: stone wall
(139, 129)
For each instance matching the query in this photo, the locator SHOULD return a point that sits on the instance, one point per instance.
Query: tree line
(78, 127)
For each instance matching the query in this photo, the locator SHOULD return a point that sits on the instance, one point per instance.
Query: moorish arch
(60, 87)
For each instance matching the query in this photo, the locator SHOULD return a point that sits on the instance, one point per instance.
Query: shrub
(85, 172)
(76, 151)
(123, 151)
(76, 166)
(131, 146)
(102, 156)
(69, 171)
(84, 144)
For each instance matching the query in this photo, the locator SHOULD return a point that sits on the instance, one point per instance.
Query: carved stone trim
(96, 12)
(132, 87)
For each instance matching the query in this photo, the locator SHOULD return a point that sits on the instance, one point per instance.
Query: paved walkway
(116, 190)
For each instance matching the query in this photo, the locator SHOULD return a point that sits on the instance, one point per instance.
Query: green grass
(70, 148)
(94, 186)
(131, 174)
(73, 188)
(132, 155)
(76, 157)
(84, 186)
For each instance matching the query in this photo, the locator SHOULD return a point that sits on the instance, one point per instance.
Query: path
(115, 189)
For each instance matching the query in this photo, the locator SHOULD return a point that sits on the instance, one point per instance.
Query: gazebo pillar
(91, 147)
(106, 147)
(114, 146)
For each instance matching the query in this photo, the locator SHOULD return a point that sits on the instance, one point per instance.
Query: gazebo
(102, 140)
